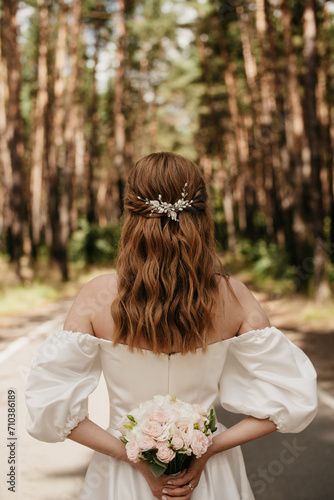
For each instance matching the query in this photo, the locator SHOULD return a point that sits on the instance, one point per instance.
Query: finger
(181, 481)
(187, 497)
(178, 475)
(166, 477)
(178, 492)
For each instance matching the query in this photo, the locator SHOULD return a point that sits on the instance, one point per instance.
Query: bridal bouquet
(167, 433)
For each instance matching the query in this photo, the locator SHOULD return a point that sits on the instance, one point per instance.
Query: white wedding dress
(260, 373)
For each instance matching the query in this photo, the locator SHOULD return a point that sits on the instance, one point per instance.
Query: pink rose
(145, 442)
(165, 454)
(132, 450)
(161, 444)
(151, 428)
(159, 415)
(199, 443)
(177, 441)
(186, 433)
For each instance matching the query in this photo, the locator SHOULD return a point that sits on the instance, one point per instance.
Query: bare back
(90, 311)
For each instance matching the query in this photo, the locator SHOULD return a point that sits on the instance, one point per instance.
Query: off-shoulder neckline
(235, 339)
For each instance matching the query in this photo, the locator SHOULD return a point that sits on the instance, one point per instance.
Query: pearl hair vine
(170, 209)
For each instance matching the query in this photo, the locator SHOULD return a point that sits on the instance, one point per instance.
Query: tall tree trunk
(72, 111)
(226, 178)
(17, 223)
(325, 105)
(153, 124)
(240, 139)
(92, 144)
(119, 158)
(297, 143)
(253, 102)
(268, 139)
(312, 129)
(242, 151)
(57, 180)
(141, 111)
(284, 189)
(39, 149)
(5, 159)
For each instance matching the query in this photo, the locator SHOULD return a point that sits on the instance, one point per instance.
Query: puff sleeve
(265, 375)
(65, 369)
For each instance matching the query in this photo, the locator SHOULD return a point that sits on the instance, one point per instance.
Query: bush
(265, 259)
(94, 244)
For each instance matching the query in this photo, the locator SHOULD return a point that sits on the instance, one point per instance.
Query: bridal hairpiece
(170, 209)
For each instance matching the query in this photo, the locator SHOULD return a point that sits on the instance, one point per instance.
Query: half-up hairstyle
(167, 270)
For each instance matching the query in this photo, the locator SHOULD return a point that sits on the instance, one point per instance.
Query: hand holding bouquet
(167, 433)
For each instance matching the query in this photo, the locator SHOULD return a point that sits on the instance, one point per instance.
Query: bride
(169, 320)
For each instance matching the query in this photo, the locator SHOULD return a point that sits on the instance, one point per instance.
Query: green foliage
(265, 259)
(330, 272)
(131, 424)
(94, 244)
(23, 298)
(157, 467)
(212, 420)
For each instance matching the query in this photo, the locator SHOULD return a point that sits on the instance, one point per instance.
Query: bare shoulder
(95, 287)
(89, 301)
(99, 282)
(253, 316)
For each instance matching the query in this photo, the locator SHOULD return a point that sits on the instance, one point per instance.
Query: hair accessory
(170, 209)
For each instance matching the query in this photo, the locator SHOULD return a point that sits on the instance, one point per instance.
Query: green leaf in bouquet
(129, 425)
(158, 462)
(132, 418)
(212, 420)
(157, 469)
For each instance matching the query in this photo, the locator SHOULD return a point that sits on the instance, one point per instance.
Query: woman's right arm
(267, 377)
(246, 430)
(252, 317)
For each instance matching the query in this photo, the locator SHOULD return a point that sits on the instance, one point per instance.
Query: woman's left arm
(80, 318)
(95, 437)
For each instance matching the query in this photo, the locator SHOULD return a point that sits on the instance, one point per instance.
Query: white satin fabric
(260, 373)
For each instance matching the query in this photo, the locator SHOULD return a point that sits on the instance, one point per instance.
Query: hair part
(167, 270)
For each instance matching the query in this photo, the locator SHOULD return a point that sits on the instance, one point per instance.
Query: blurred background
(245, 88)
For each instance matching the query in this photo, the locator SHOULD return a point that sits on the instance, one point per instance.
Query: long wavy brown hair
(167, 270)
